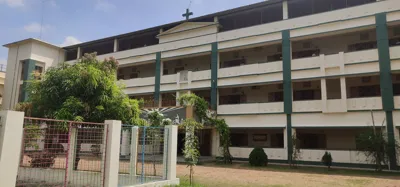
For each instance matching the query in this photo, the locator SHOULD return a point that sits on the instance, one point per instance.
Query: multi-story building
(273, 70)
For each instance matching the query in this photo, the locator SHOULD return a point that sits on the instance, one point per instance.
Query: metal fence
(62, 153)
(142, 155)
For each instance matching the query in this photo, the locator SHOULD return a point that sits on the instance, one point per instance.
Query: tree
(201, 110)
(296, 153)
(85, 91)
(374, 145)
(327, 159)
(191, 150)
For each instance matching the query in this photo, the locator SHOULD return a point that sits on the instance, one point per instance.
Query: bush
(327, 159)
(42, 160)
(258, 157)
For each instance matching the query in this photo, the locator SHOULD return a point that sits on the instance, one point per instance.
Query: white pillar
(115, 45)
(178, 94)
(324, 97)
(79, 53)
(170, 151)
(73, 134)
(125, 142)
(112, 153)
(11, 132)
(134, 150)
(285, 9)
(215, 146)
(343, 89)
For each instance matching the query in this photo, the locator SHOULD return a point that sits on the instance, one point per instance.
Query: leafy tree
(295, 153)
(85, 91)
(327, 159)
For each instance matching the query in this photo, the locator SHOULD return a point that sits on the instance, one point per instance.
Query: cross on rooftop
(187, 14)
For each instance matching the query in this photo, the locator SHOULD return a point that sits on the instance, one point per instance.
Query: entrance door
(205, 142)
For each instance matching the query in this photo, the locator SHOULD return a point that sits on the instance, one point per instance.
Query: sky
(68, 22)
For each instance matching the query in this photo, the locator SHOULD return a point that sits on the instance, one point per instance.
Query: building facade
(320, 71)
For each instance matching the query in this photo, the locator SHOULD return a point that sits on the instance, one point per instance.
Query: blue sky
(67, 22)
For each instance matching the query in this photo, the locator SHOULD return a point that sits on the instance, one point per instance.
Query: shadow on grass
(310, 170)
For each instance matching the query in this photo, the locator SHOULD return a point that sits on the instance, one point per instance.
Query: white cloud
(70, 40)
(13, 3)
(105, 6)
(35, 27)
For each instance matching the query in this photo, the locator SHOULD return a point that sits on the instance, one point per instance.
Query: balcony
(340, 156)
(251, 108)
(367, 103)
(307, 106)
(251, 69)
(139, 82)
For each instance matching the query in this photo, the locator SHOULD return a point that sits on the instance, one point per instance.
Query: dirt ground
(244, 176)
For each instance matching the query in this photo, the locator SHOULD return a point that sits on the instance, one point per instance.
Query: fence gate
(62, 153)
(148, 163)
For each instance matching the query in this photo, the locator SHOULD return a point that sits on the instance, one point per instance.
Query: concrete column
(79, 53)
(113, 129)
(324, 97)
(115, 45)
(285, 9)
(11, 132)
(215, 150)
(160, 100)
(125, 142)
(170, 151)
(73, 134)
(134, 150)
(178, 94)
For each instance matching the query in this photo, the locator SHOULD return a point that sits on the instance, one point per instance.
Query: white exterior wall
(44, 54)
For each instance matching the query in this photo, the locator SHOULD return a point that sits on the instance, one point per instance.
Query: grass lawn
(240, 174)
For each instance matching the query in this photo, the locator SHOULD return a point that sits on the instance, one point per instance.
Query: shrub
(327, 159)
(258, 157)
(42, 160)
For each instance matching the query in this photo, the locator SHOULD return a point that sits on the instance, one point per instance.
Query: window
(71, 55)
(298, 8)
(239, 140)
(333, 89)
(138, 40)
(273, 58)
(306, 53)
(396, 89)
(99, 48)
(256, 16)
(365, 91)
(37, 73)
(165, 72)
(179, 69)
(358, 2)
(233, 63)
(312, 141)
(230, 99)
(362, 46)
(275, 97)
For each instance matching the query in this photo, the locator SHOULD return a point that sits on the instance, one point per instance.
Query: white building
(271, 70)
